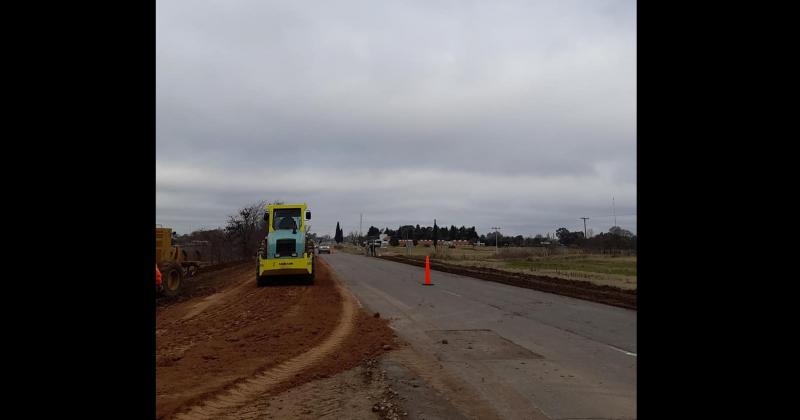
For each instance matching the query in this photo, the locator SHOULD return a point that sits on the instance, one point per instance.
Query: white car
(324, 249)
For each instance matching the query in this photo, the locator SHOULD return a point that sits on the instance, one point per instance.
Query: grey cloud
(358, 92)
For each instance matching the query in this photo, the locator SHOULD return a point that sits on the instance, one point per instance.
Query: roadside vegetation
(607, 258)
(612, 269)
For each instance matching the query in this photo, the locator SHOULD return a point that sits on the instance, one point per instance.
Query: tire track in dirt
(242, 329)
(240, 394)
(224, 305)
(212, 300)
(347, 395)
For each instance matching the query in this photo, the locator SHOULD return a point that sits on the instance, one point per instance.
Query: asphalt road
(526, 354)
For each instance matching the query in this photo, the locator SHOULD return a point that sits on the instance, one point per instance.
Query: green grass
(623, 266)
(618, 271)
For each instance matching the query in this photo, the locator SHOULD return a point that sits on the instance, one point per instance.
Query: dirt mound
(245, 341)
(573, 288)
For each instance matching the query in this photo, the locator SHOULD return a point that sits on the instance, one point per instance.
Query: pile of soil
(585, 290)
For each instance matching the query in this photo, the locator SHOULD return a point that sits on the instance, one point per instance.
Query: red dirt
(231, 330)
(608, 295)
(205, 283)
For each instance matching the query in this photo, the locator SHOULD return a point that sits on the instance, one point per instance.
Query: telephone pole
(360, 223)
(584, 227)
(495, 238)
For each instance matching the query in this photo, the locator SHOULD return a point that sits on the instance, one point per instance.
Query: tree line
(245, 229)
(412, 232)
(615, 238)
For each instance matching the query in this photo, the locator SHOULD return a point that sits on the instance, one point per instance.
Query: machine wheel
(171, 278)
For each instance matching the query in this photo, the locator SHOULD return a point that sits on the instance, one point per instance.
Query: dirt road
(232, 343)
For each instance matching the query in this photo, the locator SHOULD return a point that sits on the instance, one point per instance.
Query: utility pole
(360, 224)
(495, 238)
(584, 227)
(614, 210)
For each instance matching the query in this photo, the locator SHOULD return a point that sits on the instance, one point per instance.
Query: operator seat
(287, 223)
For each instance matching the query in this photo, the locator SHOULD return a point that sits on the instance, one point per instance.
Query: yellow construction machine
(173, 262)
(286, 250)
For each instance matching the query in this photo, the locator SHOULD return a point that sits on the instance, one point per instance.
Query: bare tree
(247, 228)
(353, 237)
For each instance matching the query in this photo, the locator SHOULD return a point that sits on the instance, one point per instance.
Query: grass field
(625, 266)
(618, 271)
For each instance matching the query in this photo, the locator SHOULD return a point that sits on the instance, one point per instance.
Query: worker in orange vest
(158, 278)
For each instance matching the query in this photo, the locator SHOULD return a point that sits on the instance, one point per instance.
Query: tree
(435, 233)
(242, 228)
(616, 230)
(373, 231)
(493, 238)
(568, 238)
(404, 232)
(339, 235)
(610, 242)
(470, 234)
(353, 238)
(563, 235)
(217, 249)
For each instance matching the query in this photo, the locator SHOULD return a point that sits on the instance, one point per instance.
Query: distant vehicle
(324, 249)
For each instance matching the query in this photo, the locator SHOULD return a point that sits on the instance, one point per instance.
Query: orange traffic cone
(427, 271)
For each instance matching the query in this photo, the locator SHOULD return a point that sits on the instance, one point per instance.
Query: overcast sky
(519, 114)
